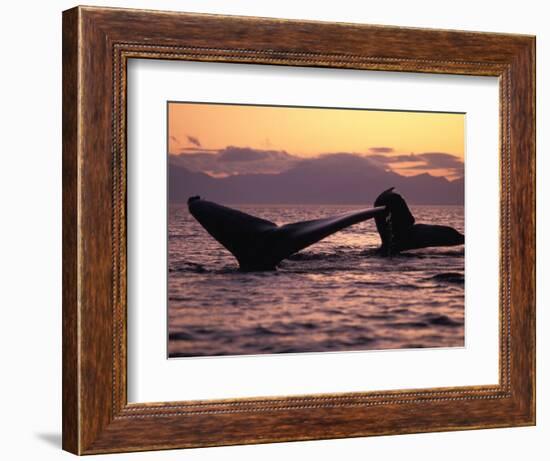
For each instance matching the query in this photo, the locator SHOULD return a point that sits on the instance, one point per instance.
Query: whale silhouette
(398, 229)
(258, 244)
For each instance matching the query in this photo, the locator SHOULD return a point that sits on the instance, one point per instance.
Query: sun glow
(310, 132)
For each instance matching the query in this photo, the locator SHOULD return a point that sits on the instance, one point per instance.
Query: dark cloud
(194, 141)
(381, 150)
(423, 161)
(236, 160)
(339, 159)
(233, 160)
(195, 150)
(247, 154)
(439, 161)
(442, 160)
(385, 159)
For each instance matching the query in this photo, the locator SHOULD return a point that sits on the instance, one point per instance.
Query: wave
(336, 254)
(196, 268)
(338, 260)
(449, 277)
(441, 320)
(188, 266)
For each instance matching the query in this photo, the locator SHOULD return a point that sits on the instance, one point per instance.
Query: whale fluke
(399, 232)
(258, 244)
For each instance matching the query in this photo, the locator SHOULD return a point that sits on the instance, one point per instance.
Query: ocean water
(337, 295)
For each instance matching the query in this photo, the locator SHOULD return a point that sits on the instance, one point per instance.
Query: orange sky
(308, 132)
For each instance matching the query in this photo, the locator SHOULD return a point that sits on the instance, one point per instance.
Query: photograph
(313, 229)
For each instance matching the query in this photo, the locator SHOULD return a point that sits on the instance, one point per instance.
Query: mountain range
(333, 179)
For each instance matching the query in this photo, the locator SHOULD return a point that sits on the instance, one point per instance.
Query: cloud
(238, 160)
(338, 160)
(194, 141)
(194, 150)
(441, 160)
(381, 150)
(426, 161)
(233, 160)
(386, 159)
(247, 154)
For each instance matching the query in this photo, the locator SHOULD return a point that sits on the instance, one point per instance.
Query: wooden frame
(97, 43)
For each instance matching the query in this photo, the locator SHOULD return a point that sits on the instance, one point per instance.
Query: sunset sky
(273, 137)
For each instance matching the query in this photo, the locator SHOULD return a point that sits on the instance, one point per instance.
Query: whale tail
(258, 244)
(399, 232)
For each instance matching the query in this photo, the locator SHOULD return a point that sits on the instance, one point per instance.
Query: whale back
(396, 223)
(399, 232)
(431, 235)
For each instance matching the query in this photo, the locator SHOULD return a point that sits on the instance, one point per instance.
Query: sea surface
(337, 295)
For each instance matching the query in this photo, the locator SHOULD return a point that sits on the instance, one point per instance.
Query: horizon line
(172, 202)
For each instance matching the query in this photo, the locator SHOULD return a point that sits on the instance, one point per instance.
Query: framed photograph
(280, 230)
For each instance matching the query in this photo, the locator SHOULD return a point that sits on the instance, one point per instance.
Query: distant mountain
(335, 179)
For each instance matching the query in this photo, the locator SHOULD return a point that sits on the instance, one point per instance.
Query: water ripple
(337, 295)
